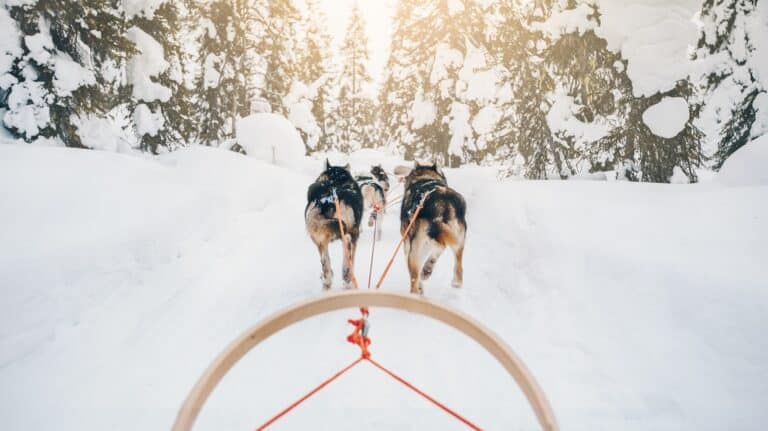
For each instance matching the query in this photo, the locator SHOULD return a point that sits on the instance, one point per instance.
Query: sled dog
(441, 223)
(336, 182)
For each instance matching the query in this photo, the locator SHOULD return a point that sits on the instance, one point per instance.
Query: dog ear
(437, 168)
(327, 164)
(348, 167)
(416, 164)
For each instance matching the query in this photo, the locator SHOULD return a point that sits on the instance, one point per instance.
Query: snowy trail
(636, 306)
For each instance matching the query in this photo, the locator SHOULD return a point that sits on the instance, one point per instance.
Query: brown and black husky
(321, 221)
(441, 223)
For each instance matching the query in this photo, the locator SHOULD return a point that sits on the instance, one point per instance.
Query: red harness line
(382, 368)
(309, 394)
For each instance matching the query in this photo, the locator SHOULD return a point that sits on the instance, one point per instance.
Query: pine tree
(315, 70)
(401, 81)
(279, 21)
(227, 44)
(355, 112)
(430, 43)
(523, 136)
(726, 41)
(72, 51)
(164, 26)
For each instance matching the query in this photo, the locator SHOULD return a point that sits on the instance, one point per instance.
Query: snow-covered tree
(734, 95)
(431, 44)
(278, 21)
(315, 66)
(68, 66)
(161, 103)
(227, 46)
(355, 113)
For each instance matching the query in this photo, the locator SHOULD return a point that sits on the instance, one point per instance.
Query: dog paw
(417, 289)
(456, 284)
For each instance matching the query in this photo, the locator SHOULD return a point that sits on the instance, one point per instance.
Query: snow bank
(747, 166)
(102, 133)
(668, 117)
(271, 138)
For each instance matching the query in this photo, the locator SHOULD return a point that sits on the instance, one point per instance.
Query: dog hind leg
(346, 270)
(429, 265)
(458, 269)
(418, 251)
(325, 263)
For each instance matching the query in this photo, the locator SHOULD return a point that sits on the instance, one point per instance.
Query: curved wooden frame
(359, 298)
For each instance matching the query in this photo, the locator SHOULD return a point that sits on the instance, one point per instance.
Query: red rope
(309, 394)
(432, 400)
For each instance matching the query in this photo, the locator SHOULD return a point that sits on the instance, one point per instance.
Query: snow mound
(271, 138)
(668, 117)
(746, 167)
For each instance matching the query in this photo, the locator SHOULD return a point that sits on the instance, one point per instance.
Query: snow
(561, 118)
(486, 119)
(147, 121)
(668, 117)
(148, 64)
(561, 22)
(299, 104)
(458, 124)
(423, 112)
(653, 35)
(145, 8)
(102, 133)
(70, 75)
(29, 111)
(746, 167)
(123, 277)
(211, 74)
(271, 138)
(10, 45)
(455, 6)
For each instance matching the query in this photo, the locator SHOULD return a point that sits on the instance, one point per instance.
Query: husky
(374, 196)
(335, 182)
(381, 177)
(441, 223)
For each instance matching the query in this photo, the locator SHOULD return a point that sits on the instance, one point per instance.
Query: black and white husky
(335, 182)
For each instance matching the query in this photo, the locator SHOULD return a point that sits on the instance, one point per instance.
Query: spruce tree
(355, 112)
(69, 69)
(279, 21)
(726, 42)
(315, 70)
(227, 44)
(429, 46)
(166, 26)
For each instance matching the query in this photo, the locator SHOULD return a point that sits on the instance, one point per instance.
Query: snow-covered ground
(637, 306)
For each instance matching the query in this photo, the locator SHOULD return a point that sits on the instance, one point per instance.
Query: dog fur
(381, 177)
(441, 223)
(374, 193)
(320, 217)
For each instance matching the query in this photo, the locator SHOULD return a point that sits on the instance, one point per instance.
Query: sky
(377, 15)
